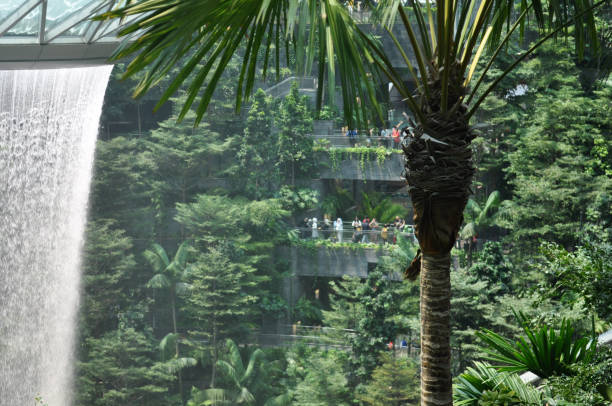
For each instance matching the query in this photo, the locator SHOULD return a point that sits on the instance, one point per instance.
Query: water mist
(48, 128)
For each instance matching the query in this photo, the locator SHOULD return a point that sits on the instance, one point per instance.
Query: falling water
(48, 128)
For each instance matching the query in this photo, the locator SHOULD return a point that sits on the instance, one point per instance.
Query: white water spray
(48, 129)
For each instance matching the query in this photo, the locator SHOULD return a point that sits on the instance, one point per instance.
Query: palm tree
(477, 218)
(242, 379)
(170, 275)
(447, 39)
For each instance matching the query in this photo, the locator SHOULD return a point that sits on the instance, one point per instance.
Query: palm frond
(216, 397)
(182, 251)
(519, 22)
(493, 202)
(176, 365)
(167, 345)
(468, 230)
(472, 209)
(252, 366)
(545, 352)
(245, 396)
(234, 358)
(229, 371)
(472, 384)
(159, 281)
(556, 31)
(203, 36)
(181, 288)
(157, 257)
(281, 400)
(206, 33)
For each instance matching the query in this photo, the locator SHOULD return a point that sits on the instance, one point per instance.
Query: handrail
(289, 81)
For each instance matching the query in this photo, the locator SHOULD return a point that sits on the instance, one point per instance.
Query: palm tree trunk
(439, 174)
(176, 344)
(214, 355)
(435, 330)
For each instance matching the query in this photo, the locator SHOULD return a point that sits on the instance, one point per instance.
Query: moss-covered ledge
(360, 163)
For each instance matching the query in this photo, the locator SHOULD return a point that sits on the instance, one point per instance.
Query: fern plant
(483, 384)
(374, 205)
(545, 352)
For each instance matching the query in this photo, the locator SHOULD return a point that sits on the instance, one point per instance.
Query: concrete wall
(331, 262)
(391, 170)
(325, 263)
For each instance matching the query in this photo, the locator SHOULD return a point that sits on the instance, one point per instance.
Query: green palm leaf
(214, 397)
(544, 353)
(493, 203)
(159, 281)
(245, 397)
(281, 400)
(157, 257)
(472, 384)
(252, 366)
(176, 365)
(235, 360)
(205, 34)
(229, 371)
(168, 344)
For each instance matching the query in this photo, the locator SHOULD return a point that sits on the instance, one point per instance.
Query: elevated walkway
(334, 262)
(307, 85)
(338, 166)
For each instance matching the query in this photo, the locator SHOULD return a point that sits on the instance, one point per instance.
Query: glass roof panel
(78, 30)
(28, 26)
(108, 29)
(60, 10)
(7, 7)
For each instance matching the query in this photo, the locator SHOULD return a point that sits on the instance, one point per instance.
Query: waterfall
(48, 128)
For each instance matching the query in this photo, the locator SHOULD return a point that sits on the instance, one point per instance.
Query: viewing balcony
(356, 254)
(365, 164)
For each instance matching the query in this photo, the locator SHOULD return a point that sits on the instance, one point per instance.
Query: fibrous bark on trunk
(436, 381)
(439, 172)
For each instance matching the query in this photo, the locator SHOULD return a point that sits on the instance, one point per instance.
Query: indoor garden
(298, 202)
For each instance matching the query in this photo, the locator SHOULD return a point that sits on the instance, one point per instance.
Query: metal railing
(282, 88)
(343, 141)
(350, 234)
(324, 337)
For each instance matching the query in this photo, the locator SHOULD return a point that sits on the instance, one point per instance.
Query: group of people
(366, 230)
(328, 228)
(387, 137)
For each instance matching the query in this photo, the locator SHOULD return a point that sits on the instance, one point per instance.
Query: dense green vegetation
(182, 271)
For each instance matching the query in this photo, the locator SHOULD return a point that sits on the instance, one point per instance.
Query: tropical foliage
(551, 169)
(483, 384)
(545, 352)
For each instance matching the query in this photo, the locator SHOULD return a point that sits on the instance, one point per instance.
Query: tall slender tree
(218, 302)
(169, 275)
(446, 42)
(295, 158)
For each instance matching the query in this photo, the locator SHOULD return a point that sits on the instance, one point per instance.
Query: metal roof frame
(54, 45)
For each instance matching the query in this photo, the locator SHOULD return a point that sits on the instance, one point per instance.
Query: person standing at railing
(370, 135)
(305, 226)
(365, 226)
(396, 138)
(327, 227)
(353, 137)
(356, 229)
(374, 230)
(397, 227)
(339, 228)
(315, 229)
(384, 233)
